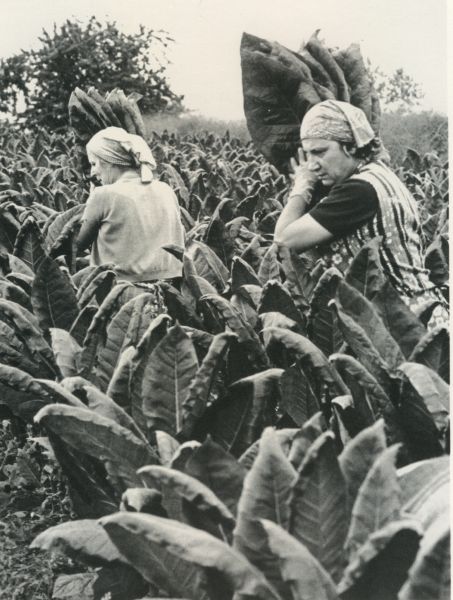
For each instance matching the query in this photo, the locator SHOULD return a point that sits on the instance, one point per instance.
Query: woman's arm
(294, 227)
(87, 234)
(91, 220)
(299, 232)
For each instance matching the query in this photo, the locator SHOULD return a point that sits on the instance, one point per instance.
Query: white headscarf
(118, 147)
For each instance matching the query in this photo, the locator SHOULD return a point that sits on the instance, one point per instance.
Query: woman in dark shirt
(365, 200)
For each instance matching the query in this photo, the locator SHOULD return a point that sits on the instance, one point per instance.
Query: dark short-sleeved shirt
(348, 206)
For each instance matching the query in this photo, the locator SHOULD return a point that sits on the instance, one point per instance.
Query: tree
(83, 55)
(397, 90)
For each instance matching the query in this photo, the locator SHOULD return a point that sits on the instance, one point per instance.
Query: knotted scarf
(338, 121)
(118, 147)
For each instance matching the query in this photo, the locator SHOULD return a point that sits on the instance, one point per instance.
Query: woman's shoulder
(355, 185)
(161, 187)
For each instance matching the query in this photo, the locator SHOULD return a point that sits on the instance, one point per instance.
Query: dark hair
(372, 151)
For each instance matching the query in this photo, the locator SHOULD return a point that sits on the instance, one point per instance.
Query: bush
(425, 131)
(77, 55)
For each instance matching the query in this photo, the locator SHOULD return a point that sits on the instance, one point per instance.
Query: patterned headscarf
(118, 147)
(338, 121)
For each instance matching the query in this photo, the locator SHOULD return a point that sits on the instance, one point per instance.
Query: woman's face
(104, 171)
(329, 160)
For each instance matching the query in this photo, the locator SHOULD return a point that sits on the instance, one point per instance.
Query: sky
(411, 34)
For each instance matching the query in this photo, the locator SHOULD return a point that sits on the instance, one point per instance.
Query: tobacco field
(279, 432)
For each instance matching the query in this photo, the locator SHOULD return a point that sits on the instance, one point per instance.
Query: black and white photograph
(224, 300)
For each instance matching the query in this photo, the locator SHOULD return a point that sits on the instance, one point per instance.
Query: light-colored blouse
(134, 221)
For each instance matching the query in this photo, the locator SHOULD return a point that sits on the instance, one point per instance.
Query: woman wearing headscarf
(131, 215)
(365, 200)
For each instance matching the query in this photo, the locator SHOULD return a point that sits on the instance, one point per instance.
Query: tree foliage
(396, 90)
(92, 54)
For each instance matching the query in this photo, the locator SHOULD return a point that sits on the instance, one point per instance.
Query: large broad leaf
(433, 390)
(91, 494)
(200, 387)
(183, 453)
(98, 288)
(365, 271)
(429, 576)
(104, 406)
(26, 329)
(75, 586)
(276, 299)
(116, 298)
(119, 388)
(309, 355)
(356, 75)
(82, 323)
(167, 447)
(242, 274)
(83, 540)
(238, 418)
(398, 318)
(136, 374)
(363, 348)
(359, 455)
(319, 509)
(29, 244)
(368, 394)
(298, 399)
(56, 228)
(243, 302)
(378, 501)
(433, 350)
(211, 512)
(14, 293)
(149, 543)
(143, 500)
(305, 576)
(425, 490)
(304, 438)
(231, 317)
(91, 275)
(218, 470)
(14, 353)
(265, 495)
(270, 88)
(194, 285)
(59, 393)
(322, 325)
(178, 307)
(381, 564)
(269, 267)
(21, 270)
(421, 434)
(276, 319)
(67, 352)
(125, 329)
(53, 299)
(347, 421)
(285, 437)
(436, 260)
(170, 369)
(21, 393)
(120, 450)
(117, 581)
(356, 306)
(301, 273)
(207, 264)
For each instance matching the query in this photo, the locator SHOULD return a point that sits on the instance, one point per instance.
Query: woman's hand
(302, 178)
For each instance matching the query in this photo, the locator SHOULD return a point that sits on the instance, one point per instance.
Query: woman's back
(135, 221)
